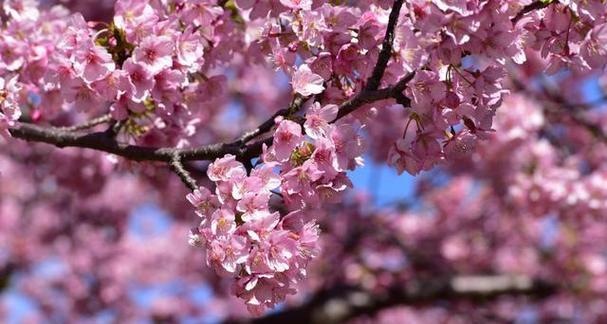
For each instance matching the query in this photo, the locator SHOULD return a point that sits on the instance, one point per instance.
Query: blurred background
(513, 232)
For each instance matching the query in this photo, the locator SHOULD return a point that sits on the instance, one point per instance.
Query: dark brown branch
(7, 272)
(537, 5)
(339, 304)
(102, 141)
(183, 174)
(366, 97)
(386, 48)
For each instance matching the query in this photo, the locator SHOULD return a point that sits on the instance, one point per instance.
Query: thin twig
(366, 97)
(183, 174)
(88, 124)
(529, 8)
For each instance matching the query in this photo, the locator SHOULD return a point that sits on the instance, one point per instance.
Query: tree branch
(386, 48)
(105, 142)
(102, 141)
(537, 5)
(69, 137)
(339, 304)
(367, 96)
(183, 174)
(88, 124)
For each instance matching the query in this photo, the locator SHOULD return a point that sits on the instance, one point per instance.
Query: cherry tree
(242, 121)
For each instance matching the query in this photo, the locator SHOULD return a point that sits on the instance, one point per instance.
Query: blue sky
(382, 182)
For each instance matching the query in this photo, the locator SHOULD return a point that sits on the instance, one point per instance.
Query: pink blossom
(260, 227)
(347, 144)
(121, 108)
(257, 266)
(21, 9)
(318, 118)
(83, 97)
(141, 80)
(308, 240)
(297, 4)
(322, 65)
(269, 179)
(226, 169)
(93, 63)
(252, 205)
(307, 83)
(594, 48)
(246, 185)
(9, 89)
(111, 86)
(154, 53)
(189, 50)
(12, 53)
(286, 138)
(182, 74)
(223, 222)
(312, 26)
(324, 158)
(132, 13)
(369, 27)
(168, 84)
(201, 13)
(9, 108)
(298, 180)
(203, 200)
(280, 249)
(227, 253)
(426, 90)
(459, 6)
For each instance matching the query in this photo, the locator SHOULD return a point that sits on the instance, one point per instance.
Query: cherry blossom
(264, 109)
(307, 83)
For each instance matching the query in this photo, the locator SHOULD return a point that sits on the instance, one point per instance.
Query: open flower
(318, 119)
(141, 80)
(154, 53)
(306, 83)
(286, 139)
(93, 63)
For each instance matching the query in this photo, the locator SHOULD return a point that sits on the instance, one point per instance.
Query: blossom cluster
(265, 251)
(9, 110)
(465, 51)
(460, 67)
(142, 66)
(24, 48)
